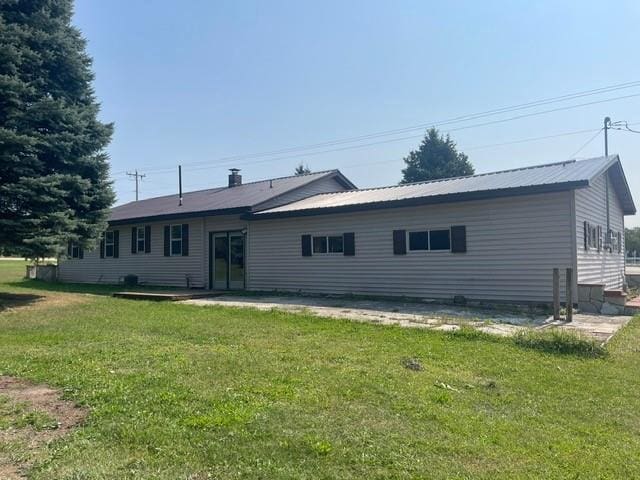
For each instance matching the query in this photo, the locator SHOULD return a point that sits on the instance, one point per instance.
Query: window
(419, 240)
(319, 244)
(75, 250)
(328, 244)
(140, 239)
(176, 240)
(336, 244)
(109, 244)
(439, 240)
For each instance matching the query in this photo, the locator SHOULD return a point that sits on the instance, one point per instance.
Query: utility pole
(607, 124)
(138, 177)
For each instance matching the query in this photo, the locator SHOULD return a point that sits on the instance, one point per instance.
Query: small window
(140, 239)
(109, 244)
(336, 244)
(439, 240)
(319, 244)
(176, 240)
(419, 240)
(75, 250)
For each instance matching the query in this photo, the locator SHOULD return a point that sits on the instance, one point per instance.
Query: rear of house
(490, 237)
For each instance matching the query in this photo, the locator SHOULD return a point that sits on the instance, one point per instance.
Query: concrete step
(614, 293)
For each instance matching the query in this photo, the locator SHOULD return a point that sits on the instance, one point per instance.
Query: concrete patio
(421, 315)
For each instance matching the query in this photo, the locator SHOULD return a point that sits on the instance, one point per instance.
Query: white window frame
(139, 239)
(172, 239)
(326, 237)
(428, 249)
(108, 243)
(75, 250)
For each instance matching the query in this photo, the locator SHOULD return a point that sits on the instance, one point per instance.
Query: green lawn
(185, 392)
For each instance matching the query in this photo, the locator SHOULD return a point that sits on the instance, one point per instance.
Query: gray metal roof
(536, 179)
(218, 200)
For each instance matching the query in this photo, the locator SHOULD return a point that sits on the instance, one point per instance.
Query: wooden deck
(166, 296)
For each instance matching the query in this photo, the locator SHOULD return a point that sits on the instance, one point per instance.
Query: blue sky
(200, 81)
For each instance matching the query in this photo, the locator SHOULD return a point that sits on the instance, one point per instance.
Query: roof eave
(628, 205)
(174, 216)
(431, 200)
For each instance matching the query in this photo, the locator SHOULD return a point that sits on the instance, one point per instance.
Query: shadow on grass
(65, 287)
(15, 300)
(91, 288)
(556, 342)
(560, 342)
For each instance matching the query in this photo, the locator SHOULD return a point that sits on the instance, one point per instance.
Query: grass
(185, 392)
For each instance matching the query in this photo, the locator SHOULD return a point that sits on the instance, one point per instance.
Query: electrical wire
(458, 119)
(573, 155)
(208, 164)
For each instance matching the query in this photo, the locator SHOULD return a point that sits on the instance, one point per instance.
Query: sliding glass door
(226, 260)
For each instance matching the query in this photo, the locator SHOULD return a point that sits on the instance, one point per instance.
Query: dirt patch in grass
(18, 301)
(31, 416)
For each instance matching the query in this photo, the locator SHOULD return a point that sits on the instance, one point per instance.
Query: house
(494, 236)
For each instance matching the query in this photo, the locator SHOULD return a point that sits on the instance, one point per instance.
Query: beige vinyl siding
(152, 268)
(324, 185)
(593, 266)
(512, 246)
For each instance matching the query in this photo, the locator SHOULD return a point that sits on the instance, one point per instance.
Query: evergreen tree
(302, 169)
(54, 185)
(437, 157)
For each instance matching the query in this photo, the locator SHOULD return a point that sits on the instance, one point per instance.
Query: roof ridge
(437, 180)
(289, 176)
(222, 188)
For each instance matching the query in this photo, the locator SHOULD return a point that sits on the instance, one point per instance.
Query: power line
(616, 126)
(591, 139)
(466, 149)
(458, 119)
(208, 164)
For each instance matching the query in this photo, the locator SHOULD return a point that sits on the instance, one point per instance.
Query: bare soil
(41, 399)
(18, 301)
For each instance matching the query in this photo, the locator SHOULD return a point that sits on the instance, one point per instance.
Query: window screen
(418, 241)
(109, 244)
(140, 239)
(439, 240)
(319, 244)
(176, 239)
(336, 244)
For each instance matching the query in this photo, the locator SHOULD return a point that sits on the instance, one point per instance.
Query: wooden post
(568, 285)
(556, 294)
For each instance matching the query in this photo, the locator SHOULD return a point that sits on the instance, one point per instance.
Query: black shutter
(116, 243)
(102, 246)
(619, 242)
(185, 239)
(399, 242)
(306, 245)
(147, 239)
(349, 244)
(586, 235)
(69, 246)
(80, 252)
(458, 239)
(599, 238)
(167, 240)
(134, 240)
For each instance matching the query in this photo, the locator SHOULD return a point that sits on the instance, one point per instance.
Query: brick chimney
(235, 179)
